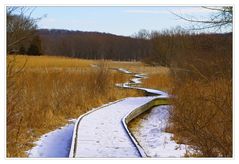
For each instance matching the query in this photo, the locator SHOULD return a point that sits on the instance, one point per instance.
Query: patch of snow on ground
(56, 143)
(149, 131)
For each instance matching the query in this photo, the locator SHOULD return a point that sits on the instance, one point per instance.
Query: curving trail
(103, 131)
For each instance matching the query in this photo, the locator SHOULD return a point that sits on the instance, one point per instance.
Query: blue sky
(116, 20)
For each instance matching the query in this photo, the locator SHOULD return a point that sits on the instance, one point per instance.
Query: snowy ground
(54, 144)
(148, 129)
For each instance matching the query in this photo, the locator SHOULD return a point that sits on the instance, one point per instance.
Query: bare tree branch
(221, 19)
(20, 26)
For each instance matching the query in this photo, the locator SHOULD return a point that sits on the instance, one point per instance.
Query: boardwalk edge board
(136, 112)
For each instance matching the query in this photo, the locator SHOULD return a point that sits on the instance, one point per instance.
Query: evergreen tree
(22, 50)
(35, 46)
(33, 50)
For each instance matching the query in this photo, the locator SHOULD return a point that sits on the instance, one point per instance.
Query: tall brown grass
(202, 117)
(40, 101)
(161, 80)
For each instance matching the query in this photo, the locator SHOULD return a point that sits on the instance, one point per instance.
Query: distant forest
(92, 45)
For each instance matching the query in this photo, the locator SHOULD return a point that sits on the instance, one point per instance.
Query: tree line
(92, 45)
(163, 48)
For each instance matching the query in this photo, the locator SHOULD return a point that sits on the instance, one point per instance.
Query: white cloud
(192, 10)
(184, 10)
(147, 11)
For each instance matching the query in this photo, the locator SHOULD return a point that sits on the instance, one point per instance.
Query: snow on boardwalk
(102, 134)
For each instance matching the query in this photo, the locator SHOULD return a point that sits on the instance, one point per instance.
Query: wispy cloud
(134, 11)
(184, 10)
(193, 10)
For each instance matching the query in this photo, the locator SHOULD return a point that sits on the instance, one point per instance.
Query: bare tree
(20, 26)
(222, 18)
(142, 34)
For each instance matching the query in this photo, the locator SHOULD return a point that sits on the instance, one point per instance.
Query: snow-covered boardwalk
(102, 134)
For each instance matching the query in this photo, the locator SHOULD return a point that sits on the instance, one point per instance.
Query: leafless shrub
(14, 115)
(202, 117)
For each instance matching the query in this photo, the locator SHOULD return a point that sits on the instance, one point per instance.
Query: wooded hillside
(92, 45)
